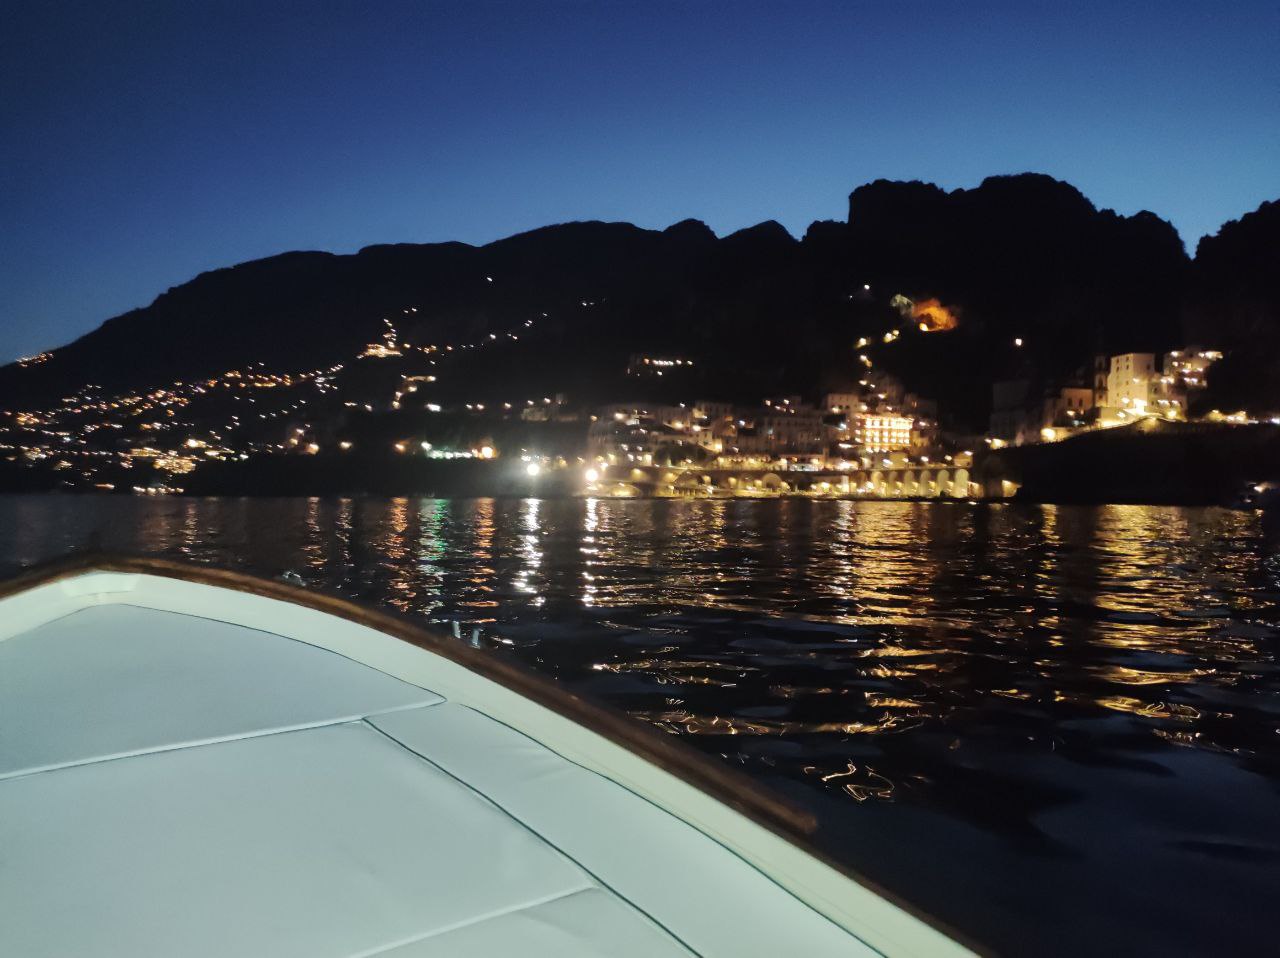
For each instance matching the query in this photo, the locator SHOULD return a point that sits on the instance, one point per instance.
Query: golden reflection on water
(588, 550)
(529, 549)
(482, 552)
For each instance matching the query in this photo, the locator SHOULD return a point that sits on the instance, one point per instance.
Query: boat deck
(173, 784)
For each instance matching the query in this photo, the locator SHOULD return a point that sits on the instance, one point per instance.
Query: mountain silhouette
(1017, 257)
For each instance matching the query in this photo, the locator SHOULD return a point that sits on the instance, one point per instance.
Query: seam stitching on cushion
(476, 920)
(533, 831)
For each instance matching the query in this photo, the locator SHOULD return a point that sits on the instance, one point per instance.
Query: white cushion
(325, 842)
(116, 680)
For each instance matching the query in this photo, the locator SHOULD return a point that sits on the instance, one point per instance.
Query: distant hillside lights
(389, 346)
(177, 465)
(91, 430)
(641, 365)
(168, 417)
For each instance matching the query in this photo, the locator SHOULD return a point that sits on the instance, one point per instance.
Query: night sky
(141, 143)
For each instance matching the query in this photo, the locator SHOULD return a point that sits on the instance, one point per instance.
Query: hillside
(759, 311)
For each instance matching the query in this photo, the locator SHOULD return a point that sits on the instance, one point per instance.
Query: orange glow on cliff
(933, 316)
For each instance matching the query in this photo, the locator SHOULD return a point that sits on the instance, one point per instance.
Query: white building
(1136, 388)
(882, 432)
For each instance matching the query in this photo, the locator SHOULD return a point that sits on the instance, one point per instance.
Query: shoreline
(1152, 463)
(1187, 503)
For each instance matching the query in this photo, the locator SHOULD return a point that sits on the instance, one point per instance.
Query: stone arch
(688, 485)
(772, 482)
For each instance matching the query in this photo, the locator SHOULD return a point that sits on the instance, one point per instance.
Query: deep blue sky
(141, 143)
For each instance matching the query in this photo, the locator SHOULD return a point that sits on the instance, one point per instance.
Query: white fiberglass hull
(198, 763)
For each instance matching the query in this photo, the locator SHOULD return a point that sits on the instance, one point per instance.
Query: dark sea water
(1055, 728)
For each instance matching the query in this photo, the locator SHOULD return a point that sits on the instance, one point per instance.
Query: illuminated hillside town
(872, 439)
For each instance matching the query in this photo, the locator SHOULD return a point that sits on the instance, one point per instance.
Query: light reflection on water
(1014, 716)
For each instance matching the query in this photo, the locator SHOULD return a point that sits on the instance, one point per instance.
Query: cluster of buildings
(1122, 389)
(880, 424)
